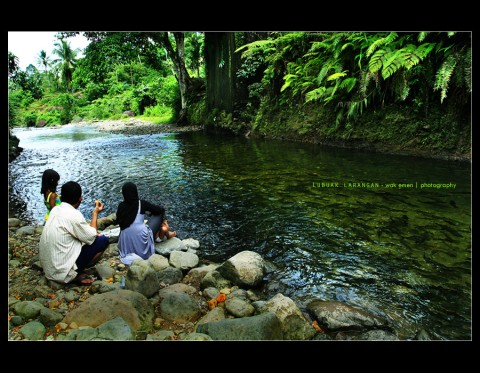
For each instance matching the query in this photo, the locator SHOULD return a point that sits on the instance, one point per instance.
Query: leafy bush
(30, 118)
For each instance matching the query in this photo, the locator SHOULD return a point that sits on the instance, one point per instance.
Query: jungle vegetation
(373, 87)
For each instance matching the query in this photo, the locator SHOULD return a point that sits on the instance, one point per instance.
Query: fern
(468, 69)
(337, 75)
(348, 84)
(422, 36)
(382, 41)
(323, 72)
(443, 76)
(315, 95)
(289, 79)
(377, 59)
(255, 46)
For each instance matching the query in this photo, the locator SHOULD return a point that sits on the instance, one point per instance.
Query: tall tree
(13, 65)
(66, 61)
(177, 55)
(44, 61)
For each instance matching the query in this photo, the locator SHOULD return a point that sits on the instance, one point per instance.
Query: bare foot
(171, 234)
(83, 279)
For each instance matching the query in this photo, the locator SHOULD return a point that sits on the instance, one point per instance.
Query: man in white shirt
(69, 244)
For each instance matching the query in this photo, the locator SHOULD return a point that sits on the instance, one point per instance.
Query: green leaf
(289, 79)
(337, 75)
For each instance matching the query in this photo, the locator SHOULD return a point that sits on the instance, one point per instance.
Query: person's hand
(99, 206)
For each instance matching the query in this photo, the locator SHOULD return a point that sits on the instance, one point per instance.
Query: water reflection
(401, 252)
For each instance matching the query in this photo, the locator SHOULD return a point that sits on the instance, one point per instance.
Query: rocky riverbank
(133, 126)
(174, 295)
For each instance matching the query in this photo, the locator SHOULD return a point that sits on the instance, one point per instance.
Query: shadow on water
(338, 224)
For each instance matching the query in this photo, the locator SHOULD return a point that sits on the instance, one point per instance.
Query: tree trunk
(178, 58)
(220, 69)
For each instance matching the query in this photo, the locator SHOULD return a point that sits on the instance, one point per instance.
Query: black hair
(49, 181)
(71, 192)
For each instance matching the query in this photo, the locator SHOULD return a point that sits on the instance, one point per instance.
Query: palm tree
(66, 61)
(44, 61)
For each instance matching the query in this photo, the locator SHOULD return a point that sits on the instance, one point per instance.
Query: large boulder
(245, 269)
(179, 307)
(132, 306)
(141, 277)
(294, 324)
(254, 328)
(182, 260)
(337, 316)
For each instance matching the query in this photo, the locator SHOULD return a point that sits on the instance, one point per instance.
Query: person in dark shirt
(137, 238)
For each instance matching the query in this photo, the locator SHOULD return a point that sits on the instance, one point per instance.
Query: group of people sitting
(69, 244)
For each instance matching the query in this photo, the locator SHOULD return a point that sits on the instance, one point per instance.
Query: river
(388, 234)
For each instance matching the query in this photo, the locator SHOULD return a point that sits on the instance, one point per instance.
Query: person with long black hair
(137, 239)
(50, 179)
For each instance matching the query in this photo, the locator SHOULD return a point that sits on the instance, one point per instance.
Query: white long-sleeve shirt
(63, 236)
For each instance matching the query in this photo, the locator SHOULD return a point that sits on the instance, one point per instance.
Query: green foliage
(66, 101)
(197, 114)
(30, 118)
(357, 71)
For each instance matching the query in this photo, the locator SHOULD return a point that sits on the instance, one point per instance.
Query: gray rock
(112, 250)
(192, 251)
(172, 244)
(259, 305)
(294, 324)
(259, 328)
(210, 293)
(26, 231)
(103, 287)
(104, 222)
(14, 222)
(198, 273)
(183, 261)
(42, 291)
(238, 293)
(17, 320)
(197, 337)
(322, 337)
(116, 330)
(214, 279)
(245, 269)
(169, 276)
(176, 288)
(88, 334)
(28, 309)
(71, 296)
(12, 301)
(104, 270)
(377, 335)
(142, 278)
(216, 314)
(49, 317)
(55, 285)
(239, 308)
(179, 307)
(190, 243)
(38, 229)
(14, 263)
(253, 296)
(132, 306)
(33, 331)
(158, 262)
(337, 315)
